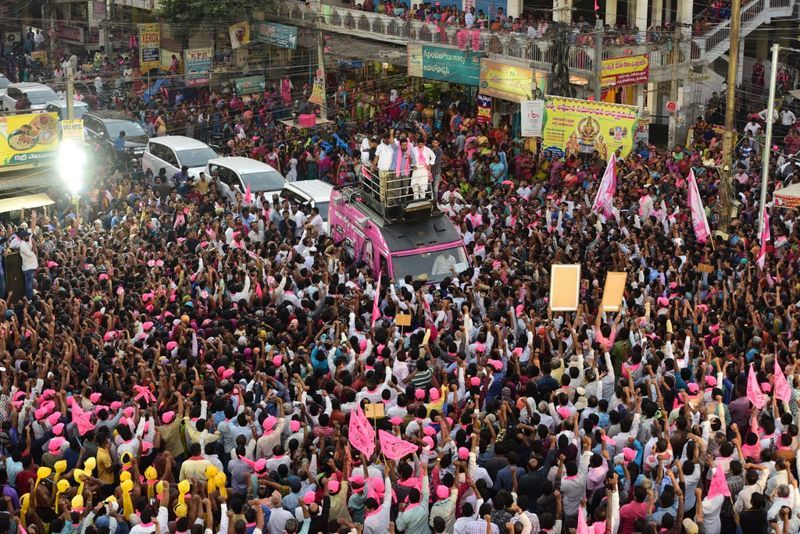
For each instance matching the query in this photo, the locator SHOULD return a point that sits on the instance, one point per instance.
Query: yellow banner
(28, 138)
(576, 127)
(510, 82)
(631, 70)
(318, 92)
(149, 47)
(72, 130)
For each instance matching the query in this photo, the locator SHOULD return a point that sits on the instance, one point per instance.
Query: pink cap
(277, 360)
(520, 309)
(475, 381)
(710, 381)
(428, 441)
(628, 454)
(116, 405)
(21, 395)
(442, 491)
(564, 412)
(147, 326)
(429, 431)
(102, 277)
(227, 373)
(58, 429)
(357, 479)
(377, 484)
(517, 352)
(129, 411)
(362, 345)
(40, 414)
(419, 394)
(694, 388)
(496, 364)
(172, 345)
(463, 453)
(480, 347)
(48, 393)
(766, 387)
(434, 394)
(55, 444)
(333, 485)
(53, 418)
(663, 302)
(167, 417)
(309, 498)
(123, 421)
(396, 421)
(95, 397)
(294, 426)
(270, 422)
(146, 447)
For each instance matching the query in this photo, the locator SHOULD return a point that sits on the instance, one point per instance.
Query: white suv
(172, 152)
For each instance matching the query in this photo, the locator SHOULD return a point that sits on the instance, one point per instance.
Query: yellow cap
(43, 472)
(126, 485)
(77, 502)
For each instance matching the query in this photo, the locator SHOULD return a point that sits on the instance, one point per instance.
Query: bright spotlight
(71, 164)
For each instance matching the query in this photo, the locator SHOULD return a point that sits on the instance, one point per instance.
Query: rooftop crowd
(184, 363)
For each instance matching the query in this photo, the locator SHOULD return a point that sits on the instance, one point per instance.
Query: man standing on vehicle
(384, 156)
(30, 262)
(424, 159)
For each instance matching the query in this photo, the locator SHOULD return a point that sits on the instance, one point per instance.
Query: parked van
(59, 106)
(313, 193)
(396, 232)
(173, 152)
(236, 173)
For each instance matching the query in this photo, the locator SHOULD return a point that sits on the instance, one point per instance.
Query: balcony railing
(721, 32)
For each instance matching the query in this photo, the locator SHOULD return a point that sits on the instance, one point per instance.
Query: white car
(236, 173)
(171, 152)
(312, 193)
(38, 94)
(4, 83)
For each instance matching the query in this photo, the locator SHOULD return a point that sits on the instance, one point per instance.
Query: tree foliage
(196, 16)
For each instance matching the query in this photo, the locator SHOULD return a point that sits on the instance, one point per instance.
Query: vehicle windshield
(264, 181)
(436, 265)
(41, 97)
(131, 129)
(196, 157)
(4, 82)
(323, 209)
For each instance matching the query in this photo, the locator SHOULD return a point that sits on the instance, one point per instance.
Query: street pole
(323, 109)
(70, 92)
(673, 87)
(598, 60)
(726, 188)
(773, 79)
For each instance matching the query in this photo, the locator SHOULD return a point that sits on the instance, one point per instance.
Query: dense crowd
(183, 363)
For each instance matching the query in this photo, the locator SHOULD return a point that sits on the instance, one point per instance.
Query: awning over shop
(788, 197)
(24, 202)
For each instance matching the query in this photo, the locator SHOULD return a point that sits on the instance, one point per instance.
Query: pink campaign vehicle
(395, 227)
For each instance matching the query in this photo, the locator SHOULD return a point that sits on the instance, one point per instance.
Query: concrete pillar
(657, 12)
(514, 8)
(652, 98)
(611, 12)
(640, 95)
(562, 11)
(640, 15)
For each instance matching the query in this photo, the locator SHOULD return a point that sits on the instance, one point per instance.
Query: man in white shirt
(278, 516)
(752, 126)
(788, 118)
(423, 158)
(384, 153)
(30, 263)
(763, 115)
(469, 18)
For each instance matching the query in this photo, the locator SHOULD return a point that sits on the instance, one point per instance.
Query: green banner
(274, 34)
(251, 84)
(444, 64)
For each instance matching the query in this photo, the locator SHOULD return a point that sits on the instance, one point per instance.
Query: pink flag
(360, 433)
(719, 485)
(376, 312)
(606, 189)
(782, 389)
(393, 447)
(583, 527)
(754, 393)
(765, 237)
(248, 194)
(701, 229)
(259, 291)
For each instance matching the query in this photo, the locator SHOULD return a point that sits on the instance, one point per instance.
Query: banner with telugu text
(619, 71)
(579, 127)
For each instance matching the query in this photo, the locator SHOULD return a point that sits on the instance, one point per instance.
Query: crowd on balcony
(718, 11)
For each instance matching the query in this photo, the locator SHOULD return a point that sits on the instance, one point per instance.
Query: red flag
(782, 389)
(393, 447)
(360, 433)
(376, 312)
(754, 393)
(719, 485)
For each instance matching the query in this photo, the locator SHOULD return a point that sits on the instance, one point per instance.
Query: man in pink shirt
(636, 509)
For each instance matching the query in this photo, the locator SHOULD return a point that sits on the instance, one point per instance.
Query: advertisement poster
(511, 82)
(318, 92)
(149, 47)
(28, 138)
(577, 127)
(444, 64)
(196, 65)
(72, 130)
(484, 109)
(274, 34)
(532, 117)
(250, 84)
(240, 34)
(619, 71)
